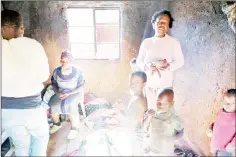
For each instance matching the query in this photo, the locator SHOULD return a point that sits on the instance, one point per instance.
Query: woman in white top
(159, 56)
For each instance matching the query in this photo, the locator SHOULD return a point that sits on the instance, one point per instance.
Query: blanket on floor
(95, 104)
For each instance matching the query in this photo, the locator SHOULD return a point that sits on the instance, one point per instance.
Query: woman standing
(159, 56)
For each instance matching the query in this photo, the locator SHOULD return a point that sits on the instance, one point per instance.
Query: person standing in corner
(24, 69)
(159, 56)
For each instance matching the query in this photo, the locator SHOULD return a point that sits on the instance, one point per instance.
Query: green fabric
(91, 108)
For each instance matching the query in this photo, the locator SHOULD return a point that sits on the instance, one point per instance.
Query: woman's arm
(43, 73)
(140, 59)
(147, 121)
(209, 130)
(178, 129)
(178, 58)
(80, 85)
(77, 90)
(54, 81)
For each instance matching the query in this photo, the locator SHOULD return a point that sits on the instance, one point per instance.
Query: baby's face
(164, 103)
(229, 105)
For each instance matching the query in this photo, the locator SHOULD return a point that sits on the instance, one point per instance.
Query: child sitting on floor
(163, 125)
(223, 130)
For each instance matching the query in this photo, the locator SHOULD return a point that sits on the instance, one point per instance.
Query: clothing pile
(95, 104)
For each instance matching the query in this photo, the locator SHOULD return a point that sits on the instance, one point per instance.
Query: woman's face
(161, 25)
(65, 61)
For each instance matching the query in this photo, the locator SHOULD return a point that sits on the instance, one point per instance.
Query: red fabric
(89, 97)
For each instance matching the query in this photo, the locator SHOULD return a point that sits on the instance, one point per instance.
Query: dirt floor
(59, 144)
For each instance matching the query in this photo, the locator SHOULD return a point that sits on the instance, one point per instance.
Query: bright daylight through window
(94, 33)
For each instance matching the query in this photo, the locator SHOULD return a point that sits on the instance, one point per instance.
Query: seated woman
(68, 85)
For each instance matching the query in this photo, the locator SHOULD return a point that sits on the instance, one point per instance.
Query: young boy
(163, 125)
(133, 65)
(223, 130)
(136, 109)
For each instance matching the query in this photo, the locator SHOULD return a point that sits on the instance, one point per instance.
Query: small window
(94, 33)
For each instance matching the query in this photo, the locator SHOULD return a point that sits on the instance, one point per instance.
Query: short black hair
(163, 12)
(67, 55)
(133, 60)
(166, 91)
(11, 18)
(140, 74)
(231, 92)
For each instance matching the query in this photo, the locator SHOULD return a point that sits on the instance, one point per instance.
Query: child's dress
(163, 129)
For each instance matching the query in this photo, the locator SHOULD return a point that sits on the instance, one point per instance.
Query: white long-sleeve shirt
(154, 49)
(24, 67)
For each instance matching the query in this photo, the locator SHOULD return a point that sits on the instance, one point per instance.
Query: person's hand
(209, 132)
(160, 64)
(150, 67)
(151, 112)
(165, 67)
(64, 96)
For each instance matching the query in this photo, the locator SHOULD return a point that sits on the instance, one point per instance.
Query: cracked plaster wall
(207, 41)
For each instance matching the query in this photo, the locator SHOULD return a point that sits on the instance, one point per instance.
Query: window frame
(94, 23)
